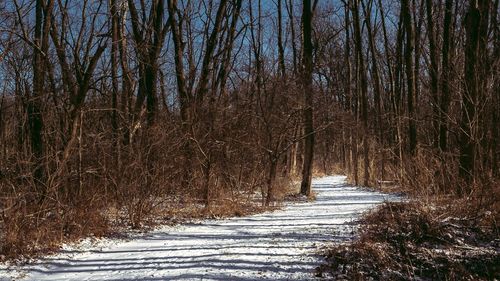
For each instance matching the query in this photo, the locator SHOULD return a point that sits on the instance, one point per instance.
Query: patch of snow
(279, 245)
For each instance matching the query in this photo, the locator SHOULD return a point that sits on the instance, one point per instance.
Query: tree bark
(347, 88)
(292, 35)
(446, 76)
(307, 79)
(476, 36)
(376, 87)
(43, 16)
(410, 74)
(115, 22)
(364, 90)
(270, 179)
(281, 50)
(434, 68)
(149, 36)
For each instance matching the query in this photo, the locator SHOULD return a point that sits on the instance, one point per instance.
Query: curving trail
(278, 245)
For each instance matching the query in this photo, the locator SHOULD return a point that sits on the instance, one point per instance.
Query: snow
(279, 245)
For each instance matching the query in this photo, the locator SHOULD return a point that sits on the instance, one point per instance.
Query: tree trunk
(149, 34)
(495, 134)
(398, 93)
(446, 76)
(434, 69)
(127, 81)
(292, 34)
(273, 164)
(185, 97)
(377, 89)
(281, 50)
(348, 92)
(115, 21)
(475, 18)
(364, 90)
(43, 15)
(410, 74)
(307, 79)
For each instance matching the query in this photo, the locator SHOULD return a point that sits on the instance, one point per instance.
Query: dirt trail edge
(278, 245)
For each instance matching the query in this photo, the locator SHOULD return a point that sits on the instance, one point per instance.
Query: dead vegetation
(447, 228)
(31, 230)
(98, 198)
(155, 113)
(417, 241)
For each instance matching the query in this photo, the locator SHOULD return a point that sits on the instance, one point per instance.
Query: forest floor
(417, 239)
(278, 245)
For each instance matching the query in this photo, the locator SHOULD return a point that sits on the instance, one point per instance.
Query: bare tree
(281, 50)
(476, 22)
(410, 74)
(434, 68)
(307, 80)
(149, 36)
(40, 49)
(77, 75)
(446, 75)
(363, 89)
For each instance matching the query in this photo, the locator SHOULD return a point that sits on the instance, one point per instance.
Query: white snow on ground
(280, 245)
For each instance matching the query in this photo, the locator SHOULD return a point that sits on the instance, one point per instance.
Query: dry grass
(30, 232)
(408, 241)
(449, 230)
(31, 229)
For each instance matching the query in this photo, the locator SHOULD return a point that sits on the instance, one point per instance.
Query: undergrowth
(29, 230)
(416, 241)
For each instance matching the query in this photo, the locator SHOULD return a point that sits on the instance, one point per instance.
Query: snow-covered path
(278, 245)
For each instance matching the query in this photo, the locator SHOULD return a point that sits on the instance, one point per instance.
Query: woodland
(128, 113)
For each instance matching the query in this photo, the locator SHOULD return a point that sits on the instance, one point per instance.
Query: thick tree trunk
(476, 36)
(307, 79)
(43, 16)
